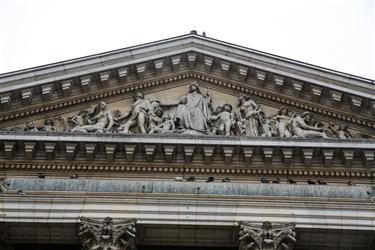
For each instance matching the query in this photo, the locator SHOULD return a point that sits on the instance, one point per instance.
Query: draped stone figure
(193, 110)
(247, 115)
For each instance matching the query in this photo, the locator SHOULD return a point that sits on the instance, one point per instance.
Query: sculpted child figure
(266, 126)
(155, 120)
(225, 119)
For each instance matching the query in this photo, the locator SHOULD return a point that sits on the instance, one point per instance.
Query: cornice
(177, 42)
(140, 65)
(189, 154)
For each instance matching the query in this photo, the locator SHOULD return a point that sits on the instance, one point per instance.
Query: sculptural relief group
(193, 114)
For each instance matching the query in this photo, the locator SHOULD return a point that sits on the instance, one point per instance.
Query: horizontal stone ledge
(187, 140)
(176, 187)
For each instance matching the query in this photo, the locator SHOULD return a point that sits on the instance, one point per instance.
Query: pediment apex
(189, 56)
(176, 46)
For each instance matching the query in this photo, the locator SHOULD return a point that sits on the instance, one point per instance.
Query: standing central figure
(193, 110)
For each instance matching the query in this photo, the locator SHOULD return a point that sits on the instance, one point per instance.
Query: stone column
(107, 234)
(266, 236)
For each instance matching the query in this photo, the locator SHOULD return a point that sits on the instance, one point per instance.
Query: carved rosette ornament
(107, 234)
(266, 236)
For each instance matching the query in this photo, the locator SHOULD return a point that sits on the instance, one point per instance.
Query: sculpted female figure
(193, 110)
(283, 123)
(99, 120)
(302, 130)
(247, 114)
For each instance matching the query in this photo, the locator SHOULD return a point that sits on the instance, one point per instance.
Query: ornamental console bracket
(266, 236)
(107, 234)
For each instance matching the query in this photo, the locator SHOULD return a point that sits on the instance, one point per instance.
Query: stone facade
(203, 143)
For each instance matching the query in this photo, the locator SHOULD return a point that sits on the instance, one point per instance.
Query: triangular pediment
(163, 70)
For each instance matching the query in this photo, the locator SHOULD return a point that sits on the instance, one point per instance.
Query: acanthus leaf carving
(107, 234)
(267, 236)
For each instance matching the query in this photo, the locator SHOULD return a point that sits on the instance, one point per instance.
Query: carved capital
(266, 236)
(107, 234)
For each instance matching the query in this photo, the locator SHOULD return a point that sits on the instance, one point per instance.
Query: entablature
(188, 149)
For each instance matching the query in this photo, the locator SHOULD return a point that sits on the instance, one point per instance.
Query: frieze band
(194, 114)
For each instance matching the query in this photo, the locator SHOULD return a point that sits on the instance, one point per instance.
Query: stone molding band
(12, 185)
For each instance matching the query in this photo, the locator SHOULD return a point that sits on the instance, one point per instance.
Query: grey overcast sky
(336, 34)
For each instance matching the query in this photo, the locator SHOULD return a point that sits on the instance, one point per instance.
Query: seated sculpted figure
(99, 120)
(137, 115)
(301, 129)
